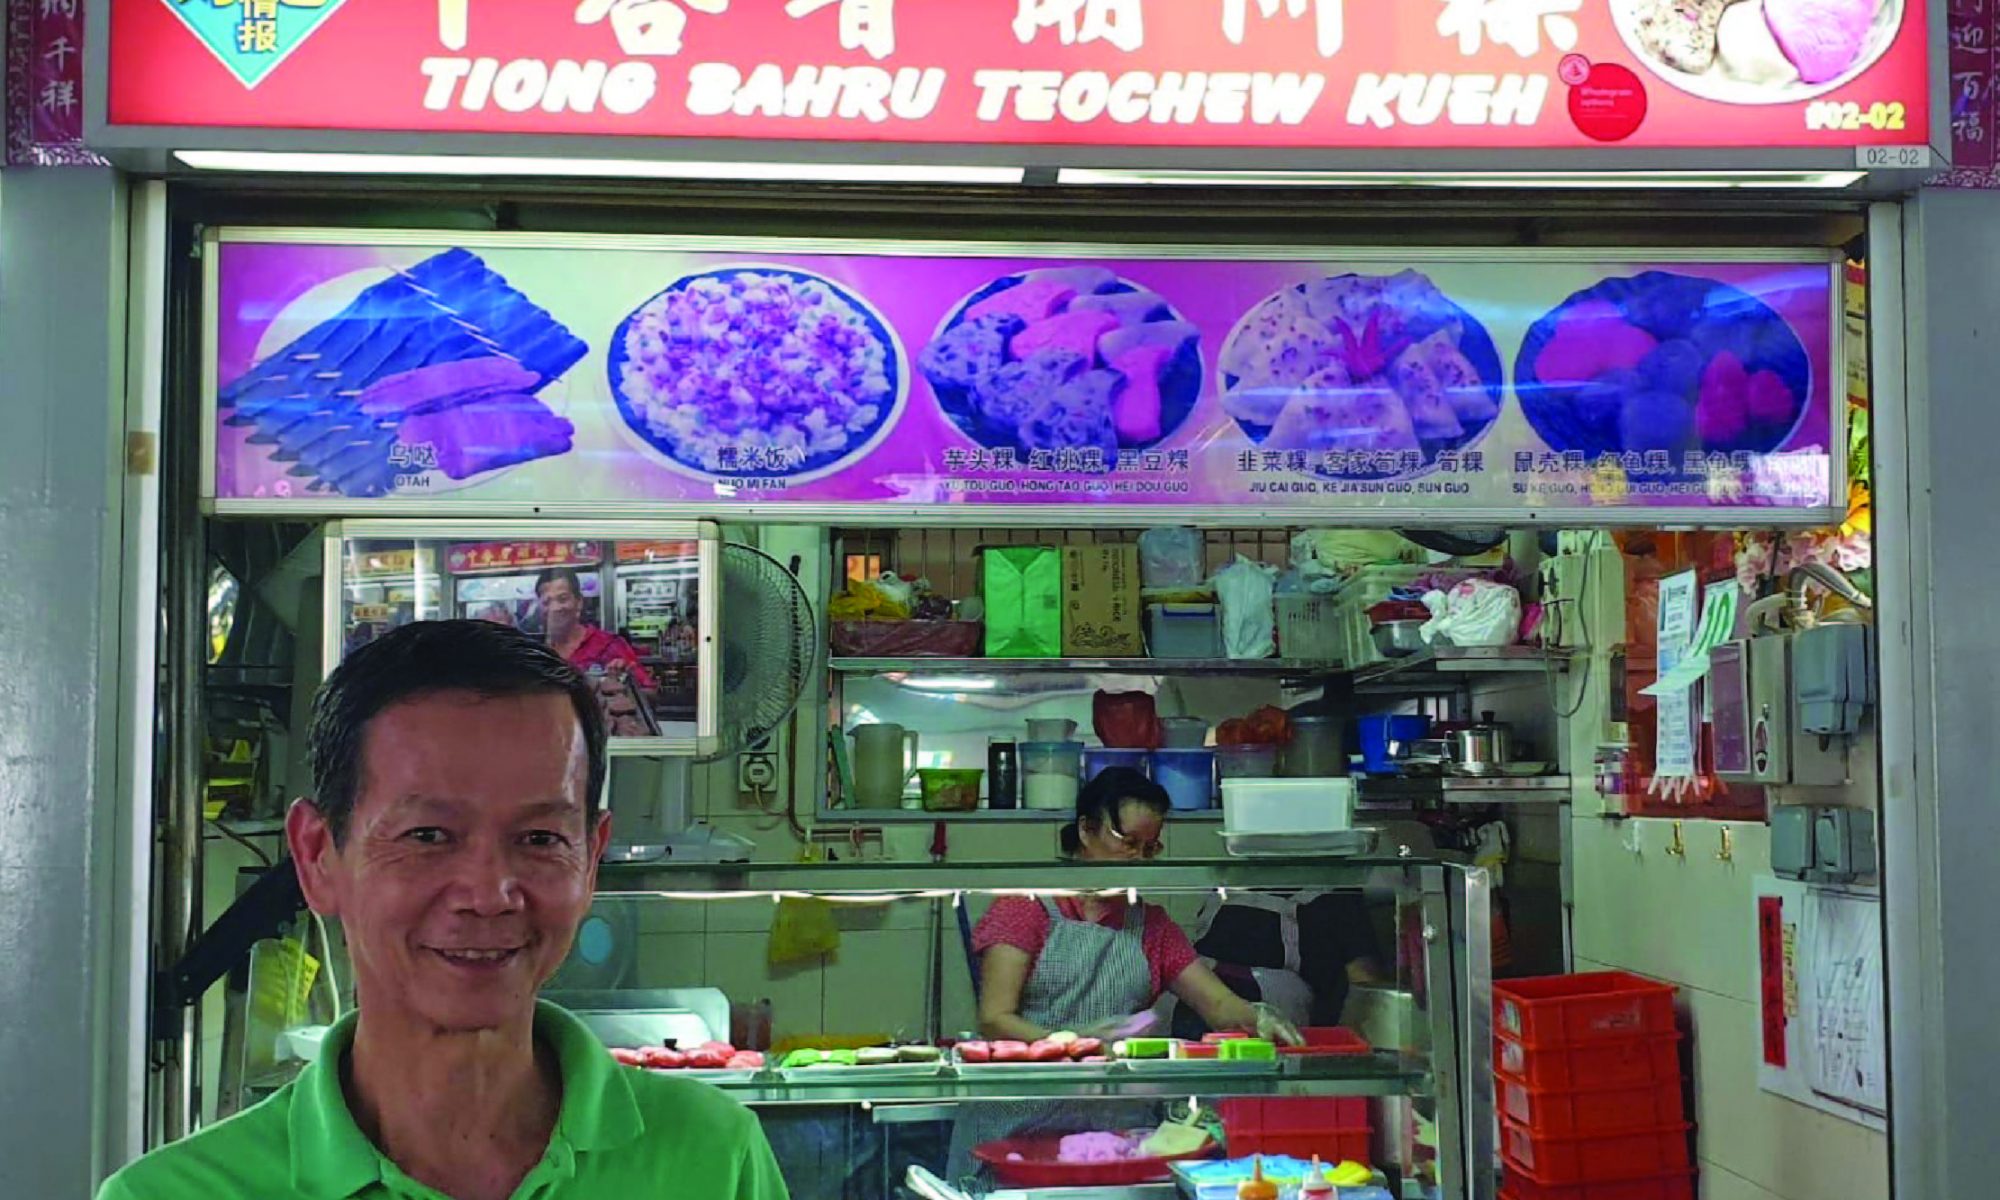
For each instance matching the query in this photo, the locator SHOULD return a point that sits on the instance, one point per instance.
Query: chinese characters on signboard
(44, 70)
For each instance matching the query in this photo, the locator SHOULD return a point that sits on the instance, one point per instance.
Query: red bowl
(1037, 1166)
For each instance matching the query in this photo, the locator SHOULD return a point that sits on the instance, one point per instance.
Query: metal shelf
(901, 878)
(1357, 1075)
(253, 827)
(1110, 666)
(1446, 666)
(1454, 789)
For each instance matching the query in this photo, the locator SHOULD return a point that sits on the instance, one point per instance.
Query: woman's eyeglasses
(1150, 849)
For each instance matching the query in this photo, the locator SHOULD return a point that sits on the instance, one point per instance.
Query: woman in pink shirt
(560, 594)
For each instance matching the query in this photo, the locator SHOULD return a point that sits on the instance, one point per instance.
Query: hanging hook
(1678, 845)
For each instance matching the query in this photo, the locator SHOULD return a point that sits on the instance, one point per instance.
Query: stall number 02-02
(1847, 115)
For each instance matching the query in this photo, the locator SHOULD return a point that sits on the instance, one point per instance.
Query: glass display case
(803, 961)
(631, 603)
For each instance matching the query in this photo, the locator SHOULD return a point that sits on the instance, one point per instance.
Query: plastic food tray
(1292, 845)
(1623, 1062)
(1034, 1070)
(1324, 1040)
(885, 1073)
(1645, 1154)
(1565, 1010)
(1586, 1113)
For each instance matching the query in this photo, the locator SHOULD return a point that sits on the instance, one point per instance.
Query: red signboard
(1246, 74)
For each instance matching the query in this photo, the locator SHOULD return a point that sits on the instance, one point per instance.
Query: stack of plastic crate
(1588, 1082)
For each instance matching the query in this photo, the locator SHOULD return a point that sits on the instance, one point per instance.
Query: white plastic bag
(1170, 558)
(1249, 625)
(1477, 612)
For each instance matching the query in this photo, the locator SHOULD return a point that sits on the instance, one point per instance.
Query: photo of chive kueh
(436, 369)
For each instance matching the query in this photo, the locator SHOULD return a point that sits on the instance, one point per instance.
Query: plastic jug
(885, 757)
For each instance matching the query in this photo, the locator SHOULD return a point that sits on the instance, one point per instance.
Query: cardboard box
(1022, 588)
(1100, 615)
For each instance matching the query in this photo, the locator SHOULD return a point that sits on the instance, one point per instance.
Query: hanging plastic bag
(1477, 612)
(803, 930)
(1126, 720)
(1249, 626)
(1170, 558)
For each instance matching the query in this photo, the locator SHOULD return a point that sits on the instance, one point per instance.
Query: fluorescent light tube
(1079, 176)
(613, 168)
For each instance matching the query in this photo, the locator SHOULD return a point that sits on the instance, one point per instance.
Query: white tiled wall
(1687, 920)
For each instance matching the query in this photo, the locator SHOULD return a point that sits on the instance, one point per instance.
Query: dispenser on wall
(1784, 705)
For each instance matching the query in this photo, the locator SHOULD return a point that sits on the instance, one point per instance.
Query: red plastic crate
(1645, 1154)
(1568, 1010)
(1581, 1112)
(1338, 1130)
(1626, 1062)
(1522, 1186)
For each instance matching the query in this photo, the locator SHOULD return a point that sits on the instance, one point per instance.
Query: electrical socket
(757, 769)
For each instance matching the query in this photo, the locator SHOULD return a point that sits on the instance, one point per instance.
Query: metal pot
(1481, 749)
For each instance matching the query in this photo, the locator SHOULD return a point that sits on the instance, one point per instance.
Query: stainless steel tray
(898, 1072)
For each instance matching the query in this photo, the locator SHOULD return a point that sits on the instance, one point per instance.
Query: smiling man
(455, 830)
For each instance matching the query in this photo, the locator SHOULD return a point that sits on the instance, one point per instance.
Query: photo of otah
(1758, 51)
(419, 378)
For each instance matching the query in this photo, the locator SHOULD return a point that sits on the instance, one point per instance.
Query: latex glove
(1138, 1024)
(1273, 1027)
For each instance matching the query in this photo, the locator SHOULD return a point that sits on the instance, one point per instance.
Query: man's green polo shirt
(623, 1134)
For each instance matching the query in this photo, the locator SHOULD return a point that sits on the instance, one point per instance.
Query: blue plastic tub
(1379, 730)
(1188, 776)
(1096, 758)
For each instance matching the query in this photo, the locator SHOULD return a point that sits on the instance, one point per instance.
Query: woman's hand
(1205, 992)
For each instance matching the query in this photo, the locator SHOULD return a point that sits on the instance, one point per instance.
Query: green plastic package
(1022, 587)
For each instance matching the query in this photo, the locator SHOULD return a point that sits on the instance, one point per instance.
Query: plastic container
(1522, 1186)
(1625, 1062)
(1049, 774)
(1566, 1010)
(1379, 730)
(1188, 776)
(1315, 750)
(950, 789)
(1308, 627)
(1051, 729)
(1579, 1112)
(1287, 805)
(1097, 758)
(1328, 1040)
(1336, 1129)
(1246, 762)
(1646, 1154)
(1183, 733)
(1183, 631)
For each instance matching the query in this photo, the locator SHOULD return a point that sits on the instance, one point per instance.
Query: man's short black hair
(551, 574)
(424, 658)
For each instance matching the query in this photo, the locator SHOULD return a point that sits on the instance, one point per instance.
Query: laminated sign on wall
(1822, 999)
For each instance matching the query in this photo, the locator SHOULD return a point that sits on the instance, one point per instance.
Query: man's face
(469, 859)
(562, 608)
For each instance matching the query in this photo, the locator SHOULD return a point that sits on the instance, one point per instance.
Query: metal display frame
(863, 513)
(707, 740)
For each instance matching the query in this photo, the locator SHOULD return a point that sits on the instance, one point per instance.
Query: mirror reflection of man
(559, 592)
(454, 830)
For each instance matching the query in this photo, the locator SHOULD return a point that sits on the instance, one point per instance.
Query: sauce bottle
(1316, 1185)
(1257, 1187)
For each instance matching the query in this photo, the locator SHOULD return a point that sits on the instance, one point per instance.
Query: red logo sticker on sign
(1610, 104)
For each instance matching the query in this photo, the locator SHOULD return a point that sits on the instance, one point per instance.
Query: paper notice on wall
(1841, 989)
(1718, 622)
(1821, 1008)
(1673, 740)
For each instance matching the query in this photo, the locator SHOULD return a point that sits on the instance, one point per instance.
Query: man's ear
(310, 840)
(600, 838)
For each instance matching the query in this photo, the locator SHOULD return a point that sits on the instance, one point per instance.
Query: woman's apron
(1283, 989)
(1086, 974)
